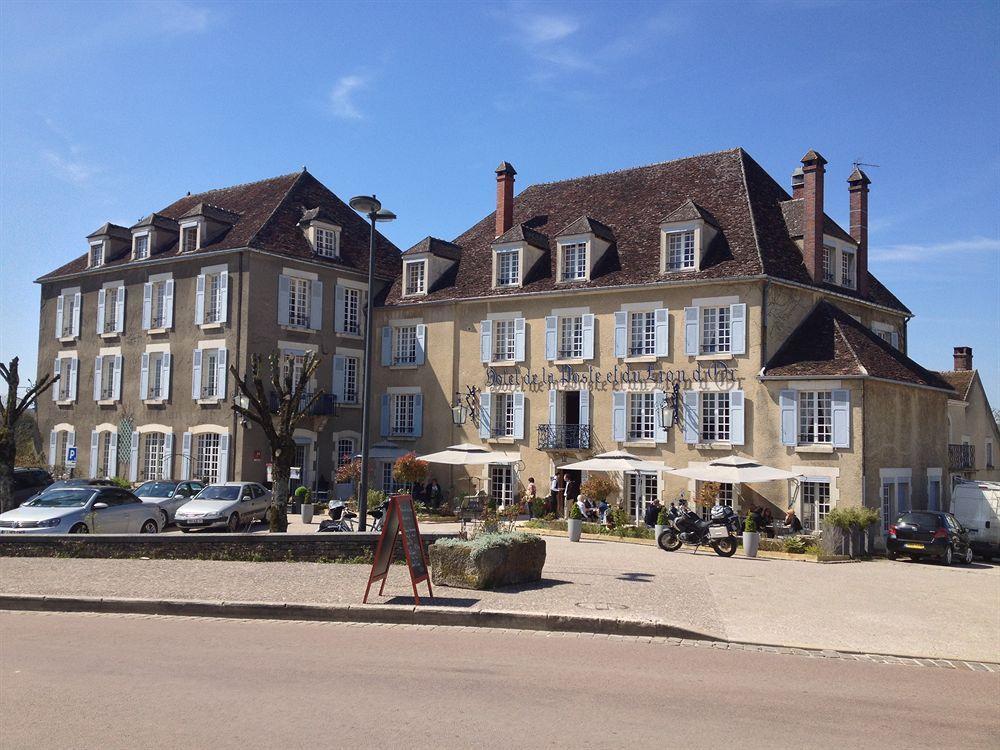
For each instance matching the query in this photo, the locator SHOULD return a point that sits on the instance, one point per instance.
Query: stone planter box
(488, 563)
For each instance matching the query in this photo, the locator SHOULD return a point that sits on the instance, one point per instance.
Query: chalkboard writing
(400, 519)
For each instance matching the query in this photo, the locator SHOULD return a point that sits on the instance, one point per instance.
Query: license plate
(717, 532)
(913, 546)
(193, 521)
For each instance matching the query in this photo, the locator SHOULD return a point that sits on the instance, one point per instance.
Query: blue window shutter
(551, 336)
(738, 328)
(316, 306)
(120, 310)
(199, 301)
(224, 458)
(788, 401)
(147, 306)
(77, 305)
(618, 401)
(418, 415)
(144, 377)
(133, 463)
(339, 308)
(588, 336)
(73, 366)
(186, 456)
(165, 376)
(386, 346)
(284, 292)
(196, 375)
(102, 300)
(485, 341)
(168, 304)
(737, 417)
(485, 413)
(691, 331)
(56, 370)
(841, 412)
(621, 334)
(221, 373)
(659, 431)
(519, 415)
(98, 362)
(53, 442)
(553, 397)
(339, 376)
(60, 302)
(519, 325)
(421, 343)
(384, 416)
(691, 416)
(223, 297)
(585, 408)
(95, 444)
(168, 456)
(661, 318)
(116, 382)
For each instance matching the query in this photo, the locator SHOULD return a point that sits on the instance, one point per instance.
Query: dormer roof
(317, 214)
(214, 213)
(435, 246)
(523, 233)
(587, 225)
(690, 211)
(111, 230)
(156, 220)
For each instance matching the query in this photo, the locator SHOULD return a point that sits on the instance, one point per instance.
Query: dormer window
(574, 261)
(848, 268)
(326, 242)
(415, 277)
(508, 263)
(140, 247)
(96, 254)
(680, 251)
(828, 274)
(189, 238)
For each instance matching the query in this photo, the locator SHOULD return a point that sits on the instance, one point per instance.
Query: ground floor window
(207, 457)
(502, 483)
(725, 496)
(345, 451)
(815, 504)
(389, 485)
(108, 454)
(153, 448)
(642, 489)
(934, 493)
(895, 499)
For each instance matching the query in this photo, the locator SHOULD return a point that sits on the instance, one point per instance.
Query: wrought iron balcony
(961, 457)
(325, 406)
(563, 437)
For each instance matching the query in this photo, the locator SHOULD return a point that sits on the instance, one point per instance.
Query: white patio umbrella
(467, 454)
(615, 461)
(734, 470)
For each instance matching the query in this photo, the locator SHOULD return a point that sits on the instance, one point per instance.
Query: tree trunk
(277, 514)
(8, 450)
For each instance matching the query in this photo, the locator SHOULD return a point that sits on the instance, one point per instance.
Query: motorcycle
(720, 533)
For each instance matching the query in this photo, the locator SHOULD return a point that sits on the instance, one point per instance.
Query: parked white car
(167, 496)
(231, 505)
(87, 509)
(976, 505)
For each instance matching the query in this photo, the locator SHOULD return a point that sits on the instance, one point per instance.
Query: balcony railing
(961, 457)
(563, 437)
(325, 406)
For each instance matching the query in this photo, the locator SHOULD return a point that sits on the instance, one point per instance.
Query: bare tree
(291, 404)
(11, 411)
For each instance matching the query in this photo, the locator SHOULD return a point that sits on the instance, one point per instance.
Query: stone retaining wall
(316, 547)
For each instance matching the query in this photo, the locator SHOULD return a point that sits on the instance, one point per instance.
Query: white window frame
(299, 302)
(185, 232)
(402, 414)
(352, 375)
(641, 323)
(154, 460)
(504, 339)
(352, 302)
(99, 248)
(414, 278)
(829, 269)
(814, 417)
(681, 250)
(641, 487)
(819, 495)
(155, 365)
(108, 376)
(502, 419)
(570, 337)
(641, 424)
(501, 482)
(158, 299)
(207, 468)
(715, 417)
(326, 241)
(404, 345)
(848, 262)
(508, 267)
(580, 269)
(715, 329)
(341, 456)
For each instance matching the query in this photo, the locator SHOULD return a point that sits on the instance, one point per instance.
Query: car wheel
(149, 527)
(164, 519)
(184, 530)
(233, 525)
(80, 528)
(967, 557)
(892, 555)
(948, 556)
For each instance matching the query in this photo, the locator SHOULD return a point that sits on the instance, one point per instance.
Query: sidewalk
(875, 607)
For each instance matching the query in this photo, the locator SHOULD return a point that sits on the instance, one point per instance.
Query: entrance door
(571, 418)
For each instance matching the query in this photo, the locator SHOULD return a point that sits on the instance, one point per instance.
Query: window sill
(669, 271)
(507, 286)
(407, 366)
(717, 446)
(154, 401)
(402, 437)
(580, 361)
(640, 443)
(157, 331)
(501, 440)
(411, 295)
(503, 363)
(67, 339)
(65, 402)
(111, 334)
(641, 358)
(106, 402)
(215, 401)
(348, 404)
(211, 326)
(714, 357)
(349, 334)
(814, 448)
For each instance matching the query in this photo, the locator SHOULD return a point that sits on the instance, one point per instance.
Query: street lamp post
(370, 206)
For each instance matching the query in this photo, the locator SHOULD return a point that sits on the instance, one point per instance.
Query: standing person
(571, 490)
(433, 494)
(530, 493)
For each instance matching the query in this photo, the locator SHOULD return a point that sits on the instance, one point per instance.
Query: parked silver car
(167, 496)
(87, 509)
(231, 505)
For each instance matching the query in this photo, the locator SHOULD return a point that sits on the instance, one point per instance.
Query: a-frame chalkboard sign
(400, 518)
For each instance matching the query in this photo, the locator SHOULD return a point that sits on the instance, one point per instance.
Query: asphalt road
(126, 681)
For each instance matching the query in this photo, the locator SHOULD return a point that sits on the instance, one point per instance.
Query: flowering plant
(409, 469)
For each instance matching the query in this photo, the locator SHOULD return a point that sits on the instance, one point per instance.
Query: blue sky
(110, 111)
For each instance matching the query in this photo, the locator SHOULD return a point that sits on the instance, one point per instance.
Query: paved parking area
(884, 607)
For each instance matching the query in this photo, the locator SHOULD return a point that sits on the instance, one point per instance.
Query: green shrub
(794, 544)
(663, 517)
(538, 507)
(121, 482)
(376, 498)
(619, 517)
(485, 542)
(575, 513)
(750, 526)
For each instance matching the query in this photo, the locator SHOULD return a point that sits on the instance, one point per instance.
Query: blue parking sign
(71, 455)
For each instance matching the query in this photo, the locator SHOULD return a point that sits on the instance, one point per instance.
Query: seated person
(581, 503)
(602, 511)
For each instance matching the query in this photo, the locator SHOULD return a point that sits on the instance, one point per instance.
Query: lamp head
(366, 204)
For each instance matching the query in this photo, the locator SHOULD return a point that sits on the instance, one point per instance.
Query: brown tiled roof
(157, 220)
(522, 233)
(830, 343)
(434, 246)
(689, 211)
(267, 216)
(113, 230)
(792, 212)
(211, 212)
(741, 197)
(960, 380)
(587, 225)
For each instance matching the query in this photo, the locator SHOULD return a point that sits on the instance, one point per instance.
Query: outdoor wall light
(459, 414)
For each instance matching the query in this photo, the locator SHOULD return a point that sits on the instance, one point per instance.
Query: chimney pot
(505, 197)
(798, 183)
(963, 358)
(812, 214)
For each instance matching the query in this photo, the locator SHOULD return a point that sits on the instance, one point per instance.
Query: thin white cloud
(342, 97)
(178, 16)
(934, 250)
(68, 168)
(546, 28)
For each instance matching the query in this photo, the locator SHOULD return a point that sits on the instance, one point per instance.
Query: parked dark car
(929, 533)
(28, 483)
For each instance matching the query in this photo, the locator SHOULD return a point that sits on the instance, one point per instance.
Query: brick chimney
(858, 184)
(963, 358)
(812, 214)
(798, 182)
(505, 197)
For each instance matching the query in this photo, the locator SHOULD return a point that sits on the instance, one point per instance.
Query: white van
(976, 505)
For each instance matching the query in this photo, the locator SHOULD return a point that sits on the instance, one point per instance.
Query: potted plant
(662, 521)
(751, 539)
(304, 502)
(574, 525)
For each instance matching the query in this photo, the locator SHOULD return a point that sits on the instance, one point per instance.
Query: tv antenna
(858, 163)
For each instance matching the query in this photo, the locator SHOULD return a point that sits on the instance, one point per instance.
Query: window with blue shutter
(485, 341)
(738, 328)
(553, 401)
(485, 414)
(519, 347)
(551, 337)
(841, 411)
(316, 306)
(659, 431)
(102, 298)
(518, 415)
(386, 346)
(196, 375)
(284, 294)
(421, 343)
(691, 331)
(418, 415)
(788, 402)
(384, 416)
(621, 334)
(588, 336)
(116, 383)
(199, 301)
(186, 456)
(618, 413)
(98, 365)
(95, 438)
(662, 335)
(737, 418)
(585, 408)
(691, 416)
(223, 458)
